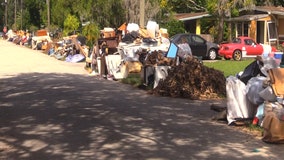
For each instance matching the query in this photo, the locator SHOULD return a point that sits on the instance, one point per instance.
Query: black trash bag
(252, 70)
(82, 40)
(39, 46)
(150, 41)
(134, 34)
(282, 62)
(130, 37)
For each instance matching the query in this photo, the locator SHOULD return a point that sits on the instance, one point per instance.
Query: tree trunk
(230, 31)
(220, 29)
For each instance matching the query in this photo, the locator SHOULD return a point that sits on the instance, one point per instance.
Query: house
(265, 24)
(192, 23)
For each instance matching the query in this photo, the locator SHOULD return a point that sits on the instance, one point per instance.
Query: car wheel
(237, 55)
(212, 54)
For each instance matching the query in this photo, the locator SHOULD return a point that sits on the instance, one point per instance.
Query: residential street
(52, 110)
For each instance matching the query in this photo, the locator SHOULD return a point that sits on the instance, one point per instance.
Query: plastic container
(266, 50)
(278, 55)
(255, 121)
(152, 28)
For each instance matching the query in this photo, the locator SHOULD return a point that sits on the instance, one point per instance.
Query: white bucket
(152, 27)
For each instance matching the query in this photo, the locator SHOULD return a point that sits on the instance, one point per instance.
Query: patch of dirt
(254, 131)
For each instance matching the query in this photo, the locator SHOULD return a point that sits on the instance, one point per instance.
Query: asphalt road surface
(52, 110)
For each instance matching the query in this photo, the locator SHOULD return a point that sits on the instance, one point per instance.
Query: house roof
(248, 17)
(264, 11)
(267, 9)
(271, 9)
(191, 16)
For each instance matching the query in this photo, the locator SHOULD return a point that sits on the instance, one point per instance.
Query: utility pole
(15, 18)
(142, 13)
(48, 14)
(6, 12)
(21, 14)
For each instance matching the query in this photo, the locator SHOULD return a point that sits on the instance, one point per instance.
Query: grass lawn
(229, 67)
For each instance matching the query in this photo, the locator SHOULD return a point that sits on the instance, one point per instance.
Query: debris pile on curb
(192, 80)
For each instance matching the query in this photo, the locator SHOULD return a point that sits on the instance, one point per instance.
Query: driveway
(52, 110)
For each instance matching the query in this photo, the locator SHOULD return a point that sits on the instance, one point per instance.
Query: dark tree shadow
(65, 116)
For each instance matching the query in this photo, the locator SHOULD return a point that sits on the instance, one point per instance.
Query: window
(249, 42)
(237, 40)
(272, 31)
(197, 39)
(183, 39)
(242, 29)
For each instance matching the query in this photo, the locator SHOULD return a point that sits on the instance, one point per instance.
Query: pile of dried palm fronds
(191, 79)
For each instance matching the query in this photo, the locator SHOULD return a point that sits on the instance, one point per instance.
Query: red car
(240, 47)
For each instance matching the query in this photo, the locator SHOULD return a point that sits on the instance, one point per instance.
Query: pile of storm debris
(131, 49)
(192, 80)
(189, 79)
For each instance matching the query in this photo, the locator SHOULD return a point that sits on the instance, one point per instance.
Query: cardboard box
(41, 33)
(109, 34)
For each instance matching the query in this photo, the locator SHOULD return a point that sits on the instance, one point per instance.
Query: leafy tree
(91, 32)
(108, 13)
(112, 13)
(174, 26)
(83, 8)
(132, 10)
(152, 8)
(60, 9)
(35, 8)
(222, 9)
(71, 24)
(185, 6)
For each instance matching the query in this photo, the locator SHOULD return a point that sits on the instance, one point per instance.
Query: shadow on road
(65, 116)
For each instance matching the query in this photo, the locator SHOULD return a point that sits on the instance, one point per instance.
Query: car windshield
(237, 40)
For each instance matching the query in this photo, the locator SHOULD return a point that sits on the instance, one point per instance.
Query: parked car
(199, 46)
(240, 47)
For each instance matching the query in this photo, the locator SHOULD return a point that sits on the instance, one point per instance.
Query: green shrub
(91, 32)
(71, 24)
(175, 27)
